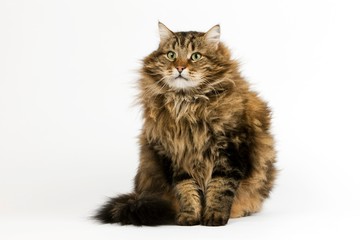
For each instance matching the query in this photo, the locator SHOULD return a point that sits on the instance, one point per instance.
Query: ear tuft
(213, 36)
(164, 32)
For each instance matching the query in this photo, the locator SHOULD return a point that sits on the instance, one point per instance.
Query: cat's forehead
(185, 40)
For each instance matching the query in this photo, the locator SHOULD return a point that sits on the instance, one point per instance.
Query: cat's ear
(164, 33)
(213, 36)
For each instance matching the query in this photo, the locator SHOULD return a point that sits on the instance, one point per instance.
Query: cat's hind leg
(252, 192)
(245, 203)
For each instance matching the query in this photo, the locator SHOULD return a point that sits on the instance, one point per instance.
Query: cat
(206, 150)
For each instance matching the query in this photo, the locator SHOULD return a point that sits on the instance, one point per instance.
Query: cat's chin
(181, 83)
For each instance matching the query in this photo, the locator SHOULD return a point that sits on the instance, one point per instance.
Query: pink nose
(180, 68)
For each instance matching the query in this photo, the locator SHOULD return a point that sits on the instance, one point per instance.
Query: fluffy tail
(137, 210)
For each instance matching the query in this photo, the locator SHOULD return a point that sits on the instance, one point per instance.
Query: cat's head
(188, 61)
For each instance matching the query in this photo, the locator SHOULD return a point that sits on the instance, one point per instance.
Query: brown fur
(207, 149)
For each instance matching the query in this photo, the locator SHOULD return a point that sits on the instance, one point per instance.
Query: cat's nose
(180, 68)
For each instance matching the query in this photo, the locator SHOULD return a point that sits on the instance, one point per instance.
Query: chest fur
(190, 132)
(180, 131)
(187, 144)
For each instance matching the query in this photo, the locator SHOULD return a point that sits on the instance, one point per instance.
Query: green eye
(171, 55)
(196, 56)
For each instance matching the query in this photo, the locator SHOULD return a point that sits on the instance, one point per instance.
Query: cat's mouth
(181, 77)
(181, 83)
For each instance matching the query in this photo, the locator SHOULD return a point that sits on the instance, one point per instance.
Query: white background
(68, 130)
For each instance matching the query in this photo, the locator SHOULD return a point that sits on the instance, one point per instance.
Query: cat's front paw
(215, 218)
(186, 219)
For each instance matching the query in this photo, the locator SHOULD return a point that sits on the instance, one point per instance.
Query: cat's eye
(196, 56)
(171, 55)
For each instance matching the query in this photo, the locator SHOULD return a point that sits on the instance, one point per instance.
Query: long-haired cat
(206, 151)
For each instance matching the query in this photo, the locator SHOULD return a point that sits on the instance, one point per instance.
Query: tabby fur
(206, 150)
